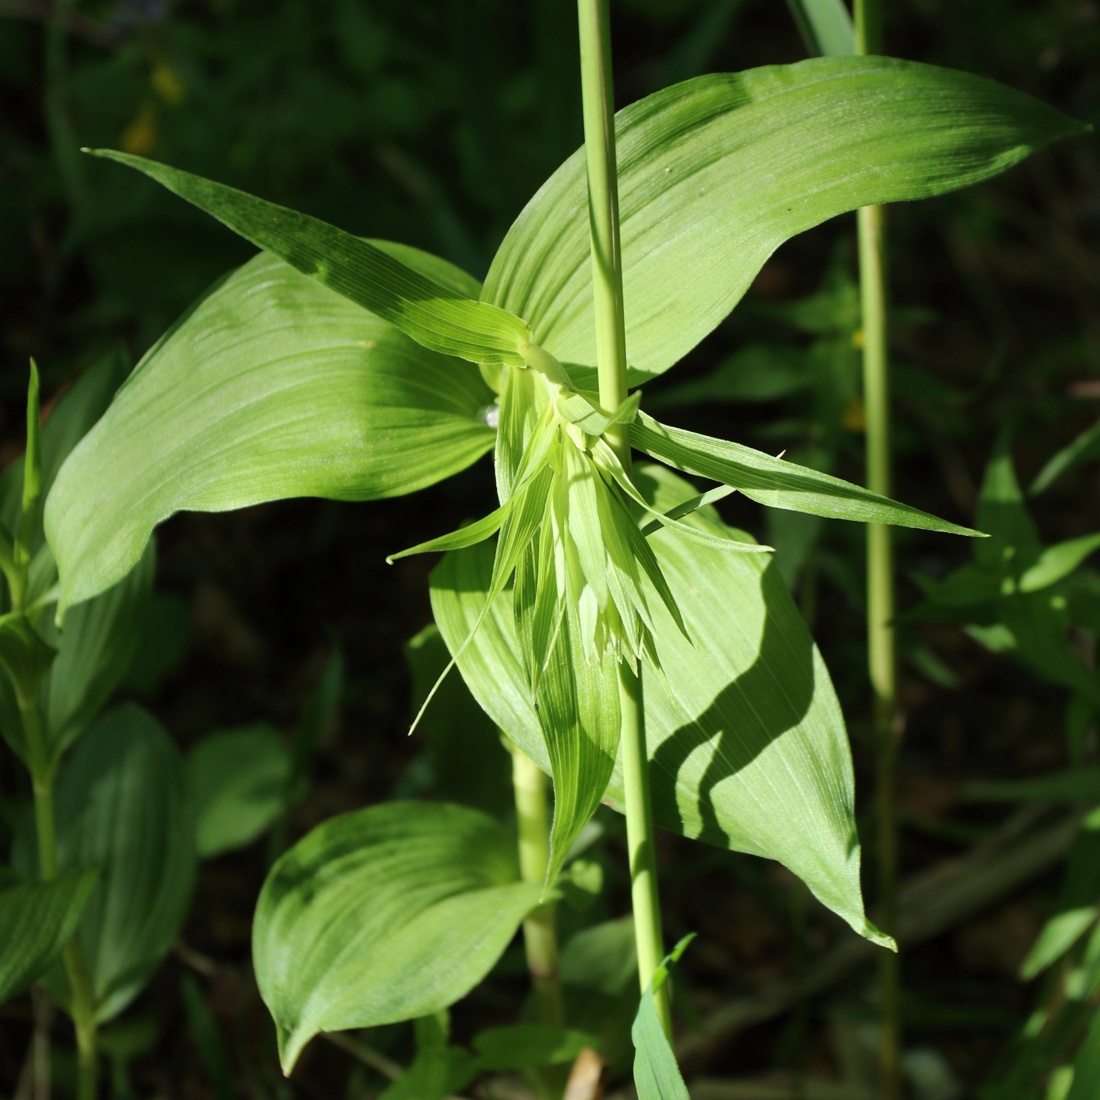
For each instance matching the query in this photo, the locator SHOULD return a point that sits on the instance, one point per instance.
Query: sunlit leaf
(656, 1074)
(774, 482)
(385, 914)
(747, 744)
(37, 920)
(432, 313)
(273, 386)
(715, 173)
(1085, 448)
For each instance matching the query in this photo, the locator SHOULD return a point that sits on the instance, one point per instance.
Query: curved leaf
(385, 914)
(431, 313)
(747, 744)
(37, 920)
(273, 386)
(122, 806)
(715, 173)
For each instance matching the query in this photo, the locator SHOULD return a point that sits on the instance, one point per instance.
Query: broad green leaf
(122, 806)
(825, 26)
(715, 173)
(747, 744)
(94, 651)
(774, 482)
(385, 914)
(273, 386)
(238, 780)
(656, 1074)
(37, 920)
(433, 314)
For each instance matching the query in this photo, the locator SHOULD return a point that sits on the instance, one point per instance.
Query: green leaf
(1055, 563)
(24, 656)
(433, 314)
(271, 387)
(25, 529)
(1085, 448)
(238, 780)
(717, 172)
(825, 26)
(656, 1074)
(528, 1046)
(741, 726)
(776, 483)
(1086, 1069)
(37, 920)
(439, 1069)
(94, 651)
(385, 914)
(122, 806)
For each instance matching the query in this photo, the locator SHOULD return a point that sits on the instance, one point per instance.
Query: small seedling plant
(627, 641)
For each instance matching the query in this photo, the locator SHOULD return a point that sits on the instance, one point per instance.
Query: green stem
(540, 938)
(82, 998)
(882, 659)
(607, 289)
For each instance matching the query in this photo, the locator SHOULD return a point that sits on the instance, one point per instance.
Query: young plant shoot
(355, 370)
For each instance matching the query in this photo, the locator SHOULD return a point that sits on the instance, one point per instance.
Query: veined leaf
(122, 806)
(777, 483)
(37, 920)
(715, 173)
(747, 744)
(432, 314)
(385, 914)
(273, 386)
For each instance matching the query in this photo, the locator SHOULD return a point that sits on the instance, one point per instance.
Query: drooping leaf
(122, 806)
(775, 482)
(432, 313)
(747, 744)
(825, 26)
(385, 914)
(37, 920)
(273, 386)
(656, 1074)
(715, 173)
(238, 782)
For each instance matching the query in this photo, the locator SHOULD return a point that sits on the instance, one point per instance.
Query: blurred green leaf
(715, 173)
(37, 920)
(1086, 1069)
(527, 1046)
(385, 914)
(1054, 563)
(1085, 448)
(271, 387)
(238, 780)
(122, 806)
(742, 722)
(825, 26)
(433, 314)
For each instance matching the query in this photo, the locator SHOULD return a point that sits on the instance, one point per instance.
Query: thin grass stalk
(607, 279)
(82, 999)
(882, 658)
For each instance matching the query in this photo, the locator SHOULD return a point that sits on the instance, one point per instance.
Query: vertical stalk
(540, 939)
(82, 998)
(882, 661)
(607, 282)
